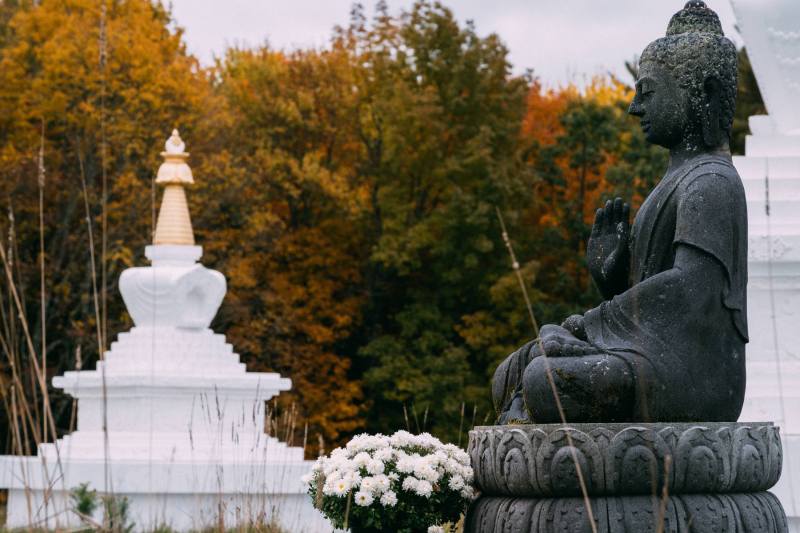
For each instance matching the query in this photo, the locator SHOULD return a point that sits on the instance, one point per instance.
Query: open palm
(608, 253)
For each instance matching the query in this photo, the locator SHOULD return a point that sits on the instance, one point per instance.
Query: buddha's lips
(645, 124)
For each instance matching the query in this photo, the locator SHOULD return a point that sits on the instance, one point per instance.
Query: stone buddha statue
(668, 343)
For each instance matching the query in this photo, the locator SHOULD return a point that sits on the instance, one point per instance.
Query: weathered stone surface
(758, 512)
(617, 459)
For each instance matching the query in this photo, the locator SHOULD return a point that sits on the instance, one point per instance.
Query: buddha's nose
(636, 108)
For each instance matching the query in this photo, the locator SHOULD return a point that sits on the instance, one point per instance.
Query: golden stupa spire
(174, 225)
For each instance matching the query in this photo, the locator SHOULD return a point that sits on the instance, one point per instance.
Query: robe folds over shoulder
(686, 351)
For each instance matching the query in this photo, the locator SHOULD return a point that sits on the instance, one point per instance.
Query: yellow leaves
(51, 70)
(608, 91)
(477, 330)
(242, 272)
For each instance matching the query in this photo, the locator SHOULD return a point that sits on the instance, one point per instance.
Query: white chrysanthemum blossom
(406, 464)
(362, 443)
(384, 454)
(410, 484)
(336, 487)
(456, 482)
(389, 499)
(368, 484)
(436, 529)
(330, 483)
(361, 459)
(363, 498)
(375, 467)
(468, 493)
(401, 439)
(382, 482)
(424, 488)
(424, 469)
(338, 453)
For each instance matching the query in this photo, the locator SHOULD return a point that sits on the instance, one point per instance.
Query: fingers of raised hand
(599, 218)
(621, 216)
(624, 221)
(618, 204)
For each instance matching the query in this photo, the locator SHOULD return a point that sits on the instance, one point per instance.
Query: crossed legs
(591, 386)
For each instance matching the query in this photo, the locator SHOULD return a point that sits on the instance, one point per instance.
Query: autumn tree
(282, 207)
(96, 86)
(440, 113)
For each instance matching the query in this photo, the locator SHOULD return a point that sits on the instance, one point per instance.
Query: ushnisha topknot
(695, 17)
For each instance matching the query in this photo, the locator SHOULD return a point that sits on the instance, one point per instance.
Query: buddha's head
(686, 91)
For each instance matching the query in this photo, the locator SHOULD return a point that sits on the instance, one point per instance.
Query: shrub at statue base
(405, 483)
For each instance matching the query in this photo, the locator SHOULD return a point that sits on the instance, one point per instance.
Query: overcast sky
(561, 40)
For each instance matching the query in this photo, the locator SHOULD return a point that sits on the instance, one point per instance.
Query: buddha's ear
(711, 111)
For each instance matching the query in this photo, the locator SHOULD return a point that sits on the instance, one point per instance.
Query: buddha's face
(661, 105)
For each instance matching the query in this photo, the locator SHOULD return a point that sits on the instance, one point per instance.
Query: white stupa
(170, 419)
(770, 171)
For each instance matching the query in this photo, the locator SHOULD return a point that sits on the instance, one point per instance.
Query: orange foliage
(542, 121)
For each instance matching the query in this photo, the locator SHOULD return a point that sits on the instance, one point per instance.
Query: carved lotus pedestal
(692, 478)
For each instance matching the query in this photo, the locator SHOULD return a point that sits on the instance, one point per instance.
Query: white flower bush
(405, 483)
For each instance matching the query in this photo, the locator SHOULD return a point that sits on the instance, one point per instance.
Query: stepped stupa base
(185, 496)
(640, 478)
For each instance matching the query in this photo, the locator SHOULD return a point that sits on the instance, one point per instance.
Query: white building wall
(772, 185)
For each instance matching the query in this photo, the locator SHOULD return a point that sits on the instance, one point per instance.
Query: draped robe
(683, 347)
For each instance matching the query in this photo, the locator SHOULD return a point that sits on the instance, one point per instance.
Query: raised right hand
(608, 253)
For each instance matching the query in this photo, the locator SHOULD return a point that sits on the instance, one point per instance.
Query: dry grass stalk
(38, 373)
(662, 508)
(19, 441)
(98, 317)
(42, 293)
(461, 425)
(103, 47)
(573, 451)
(92, 261)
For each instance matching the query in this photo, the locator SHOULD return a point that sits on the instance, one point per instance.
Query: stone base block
(53, 511)
(182, 494)
(538, 461)
(758, 512)
(639, 478)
